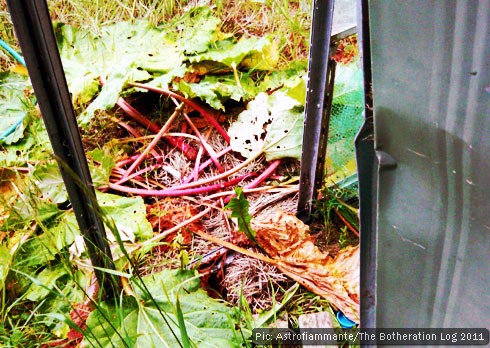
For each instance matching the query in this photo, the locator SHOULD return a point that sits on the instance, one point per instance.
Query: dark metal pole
(367, 170)
(318, 106)
(34, 31)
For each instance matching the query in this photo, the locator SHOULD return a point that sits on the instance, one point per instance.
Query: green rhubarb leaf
(14, 106)
(225, 53)
(33, 147)
(216, 90)
(274, 127)
(164, 80)
(124, 52)
(296, 88)
(101, 163)
(60, 236)
(45, 283)
(129, 215)
(24, 211)
(266, 58)
(49, 181)
(239, 209)
(140, 323)
(57, 288)
(202, 90)
(199, 36)
(279, 78)
(118, 77)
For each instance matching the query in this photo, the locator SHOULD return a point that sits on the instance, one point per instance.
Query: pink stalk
(269, 170)
(153, 143)
(195, 172)
(136, 134)
(206, 164)
(116, 176)
(186, 149)
(207, 147)
(131, 159)
(193, 105)
(142, 171)
(172, 192)
(137, 116)
(126, 161)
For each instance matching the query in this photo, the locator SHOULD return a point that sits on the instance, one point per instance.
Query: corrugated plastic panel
(431, 92)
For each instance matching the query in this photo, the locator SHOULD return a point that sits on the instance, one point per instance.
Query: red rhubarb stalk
(136, 134)
(153, 143)
(207, 147)
(193, 105)
(188, 151)
(269, 170)
(172, 192)
(195, 172)
(206, 164)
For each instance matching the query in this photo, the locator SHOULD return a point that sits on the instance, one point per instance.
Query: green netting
(345, 121)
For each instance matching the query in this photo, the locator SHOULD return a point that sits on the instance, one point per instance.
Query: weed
(337, 216)
(305, 302)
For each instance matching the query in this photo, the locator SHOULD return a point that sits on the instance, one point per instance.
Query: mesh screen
(345, 121)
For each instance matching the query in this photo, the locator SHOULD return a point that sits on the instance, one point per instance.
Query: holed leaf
(199, 36)
(129, 215)
(14, 106)
(48, 179)
(274, 126)
(140, 323)
(101, 166)
(123, 52)
(34, 146)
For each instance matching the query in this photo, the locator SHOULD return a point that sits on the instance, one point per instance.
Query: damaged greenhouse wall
(431, 91)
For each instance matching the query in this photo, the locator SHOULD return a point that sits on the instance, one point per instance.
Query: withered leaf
(287, 240)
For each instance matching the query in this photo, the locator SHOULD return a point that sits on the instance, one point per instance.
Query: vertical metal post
(318, 106)
(367, 166)
(34, 31)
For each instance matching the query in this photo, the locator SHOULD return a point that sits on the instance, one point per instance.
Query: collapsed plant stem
(205, 145)
(195, 172)
(136, 134)
(190, 103)
(232, 246)
(173, 192)
(267, 189)
(153, 143)
(165, 233)
(270, 169)
(206, 164)
(188, 151)
(219, 176)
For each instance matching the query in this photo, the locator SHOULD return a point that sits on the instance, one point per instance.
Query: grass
(335, 221)
(287, 21)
